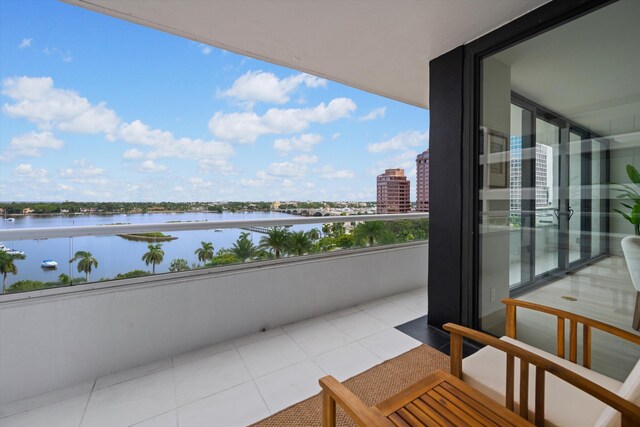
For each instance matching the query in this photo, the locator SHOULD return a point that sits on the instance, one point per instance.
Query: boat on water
(10, 219)
(10, 251)
(218, 230)
(49, 263)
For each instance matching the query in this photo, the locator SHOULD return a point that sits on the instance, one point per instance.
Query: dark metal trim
(538, 21)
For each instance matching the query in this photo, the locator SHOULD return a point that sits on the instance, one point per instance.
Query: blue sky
(99, 109)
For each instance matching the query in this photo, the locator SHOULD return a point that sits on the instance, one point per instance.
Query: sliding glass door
(556, 170)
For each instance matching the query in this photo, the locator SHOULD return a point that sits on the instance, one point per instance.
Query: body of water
(117, 255)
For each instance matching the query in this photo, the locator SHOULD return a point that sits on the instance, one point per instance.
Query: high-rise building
(393, 191)
(543, 184)
(422, 182)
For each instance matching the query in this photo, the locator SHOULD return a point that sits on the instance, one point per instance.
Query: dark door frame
(538, 21)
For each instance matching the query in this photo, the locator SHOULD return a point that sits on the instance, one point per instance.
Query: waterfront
(116, 255)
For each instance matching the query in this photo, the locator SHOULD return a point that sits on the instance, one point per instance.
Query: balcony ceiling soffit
(382, 47)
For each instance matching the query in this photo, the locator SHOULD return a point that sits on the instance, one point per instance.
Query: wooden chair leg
(636, 314)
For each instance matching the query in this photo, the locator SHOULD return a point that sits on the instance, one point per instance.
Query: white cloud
(376, 113)
(84, 172)
(298, 143)
(209, 154)
(287, 169)
(25, 43)
(405, 160)
(31, 143)
(151, 166)
(26, 170)
(260, 86)
(64, 55)
(253, 182)
(221, 166)
(133, 154)
(247, 127)
(200, 183)
(37, 100)
(335, 136)
(402, 141)
(329, 172)
(64, 187)
(305, 159)
(205, 49)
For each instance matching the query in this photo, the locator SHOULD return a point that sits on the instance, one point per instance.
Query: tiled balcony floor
(237, 382)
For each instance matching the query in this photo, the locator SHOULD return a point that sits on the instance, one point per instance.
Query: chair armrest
(621, 333)
(629, 411)
(334, 392)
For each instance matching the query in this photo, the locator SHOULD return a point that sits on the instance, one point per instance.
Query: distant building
(393, 190)
(422, 182)
(543, 185)
(27, 211)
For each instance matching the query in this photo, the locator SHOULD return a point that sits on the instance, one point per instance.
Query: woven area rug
(371, 386)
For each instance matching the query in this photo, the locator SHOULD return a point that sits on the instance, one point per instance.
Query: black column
(445, 188)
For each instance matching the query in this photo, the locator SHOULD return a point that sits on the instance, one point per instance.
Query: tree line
(279, 242)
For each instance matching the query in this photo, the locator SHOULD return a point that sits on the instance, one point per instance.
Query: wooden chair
(443, 399)
(438, 400)
(596, 399)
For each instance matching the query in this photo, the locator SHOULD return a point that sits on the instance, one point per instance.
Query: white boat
(49, 263)
(218, 230)
(10, 251)
(10, 219)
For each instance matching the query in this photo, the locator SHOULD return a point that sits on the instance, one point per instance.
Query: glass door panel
(515, 197)
(547, 208)
(575, 196)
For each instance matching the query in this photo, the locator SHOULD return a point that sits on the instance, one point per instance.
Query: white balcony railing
(58, 337)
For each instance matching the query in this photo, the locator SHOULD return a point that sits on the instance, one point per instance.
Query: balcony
(181, 347)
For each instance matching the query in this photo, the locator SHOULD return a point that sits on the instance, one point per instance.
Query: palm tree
(244, 248)
(179, 264)
(8, 266)
(370, 230)
(326, 229)
(86, 264)
(276, 240)
(299, 243)
(154, 256)
(314, 234)
(64, 279)
(337, 229)
(205, 252)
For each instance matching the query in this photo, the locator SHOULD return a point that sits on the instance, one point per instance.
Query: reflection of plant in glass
(631, 193)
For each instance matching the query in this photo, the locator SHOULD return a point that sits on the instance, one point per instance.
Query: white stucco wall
(56, 339)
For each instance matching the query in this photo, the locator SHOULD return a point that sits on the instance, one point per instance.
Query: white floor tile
(390, 343)
(347, 361)
(259, 336)
(204, 377)
(290, 385)
(45, 399)
(341, 313)
(303, 324)
(60, 414)
(237, 406)
(359, 325)
(132, 401)
(271, 354)
(168, 419)
(390, 313)
(410, 301)
(130, 374)
(320, 338)
(202, 352)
